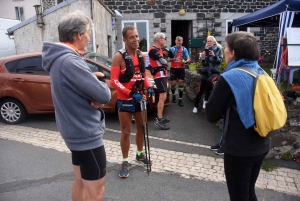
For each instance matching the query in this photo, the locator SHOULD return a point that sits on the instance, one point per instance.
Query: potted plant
(192, 65)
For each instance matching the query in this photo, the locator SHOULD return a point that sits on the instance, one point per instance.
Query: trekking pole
(145, 130)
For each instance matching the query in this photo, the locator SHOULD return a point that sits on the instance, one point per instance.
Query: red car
(25, 87)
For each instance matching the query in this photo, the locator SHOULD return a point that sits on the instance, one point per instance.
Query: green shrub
(268, 166)
(223, 65)
(287, 156)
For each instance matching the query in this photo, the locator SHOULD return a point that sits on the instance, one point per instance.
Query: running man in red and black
(177, 70)
(158, 68)
(129, 77)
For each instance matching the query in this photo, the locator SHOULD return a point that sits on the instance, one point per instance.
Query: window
(20, 13)
(59, 1)
(11, 66)
(229, 27)
(143, 28)
(32, 66)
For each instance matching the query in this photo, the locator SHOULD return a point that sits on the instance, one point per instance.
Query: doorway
(181, 28)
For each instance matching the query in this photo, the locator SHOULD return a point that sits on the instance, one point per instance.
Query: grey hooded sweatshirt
(73, 86)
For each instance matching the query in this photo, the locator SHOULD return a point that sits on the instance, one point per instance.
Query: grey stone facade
(204, 14)
(35, 35)
(48, 4)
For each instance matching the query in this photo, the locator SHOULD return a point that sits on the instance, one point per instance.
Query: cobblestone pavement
(187, 165)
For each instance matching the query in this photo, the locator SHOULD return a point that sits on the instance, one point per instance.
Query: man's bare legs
(84, 190)
(125, 122)
(161, 104)
(78, 192)
(139, 137)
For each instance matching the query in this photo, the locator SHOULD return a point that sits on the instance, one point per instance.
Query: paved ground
(190, 166)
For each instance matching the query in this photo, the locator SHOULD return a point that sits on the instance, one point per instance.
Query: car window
(96, 68)
(99, 58)
(11, 66)
(32, 66)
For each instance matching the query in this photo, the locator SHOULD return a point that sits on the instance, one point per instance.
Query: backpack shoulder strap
(122, 51)
(141, 61)
(247, 70)
(250, 71)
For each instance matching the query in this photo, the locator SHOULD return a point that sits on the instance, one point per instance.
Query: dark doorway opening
(181, 28)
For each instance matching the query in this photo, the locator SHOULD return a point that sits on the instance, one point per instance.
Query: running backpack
(269, 109)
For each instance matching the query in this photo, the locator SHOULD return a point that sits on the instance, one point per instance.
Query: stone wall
(48, 4)
(205, 14)
(194, 6)
(286, 139)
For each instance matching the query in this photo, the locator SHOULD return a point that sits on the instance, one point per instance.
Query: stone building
(29, 35)
(190, 19)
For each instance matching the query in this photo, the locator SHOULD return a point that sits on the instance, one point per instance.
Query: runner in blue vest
(177, 70)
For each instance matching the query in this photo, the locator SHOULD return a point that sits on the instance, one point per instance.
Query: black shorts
(92, 163)
(177, 73)
(161, 84)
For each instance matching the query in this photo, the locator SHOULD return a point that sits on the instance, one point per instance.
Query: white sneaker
(204, 103)
(195, 110)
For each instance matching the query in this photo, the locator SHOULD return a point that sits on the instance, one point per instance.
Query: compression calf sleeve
(173, 91)
(180, 90)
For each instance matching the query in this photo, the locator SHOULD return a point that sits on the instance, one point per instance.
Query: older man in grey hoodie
(77, 96)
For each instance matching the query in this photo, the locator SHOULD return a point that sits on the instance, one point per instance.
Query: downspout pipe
(94, 39)
(93, 28)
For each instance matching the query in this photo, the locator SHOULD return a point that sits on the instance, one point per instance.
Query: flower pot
(192, 67)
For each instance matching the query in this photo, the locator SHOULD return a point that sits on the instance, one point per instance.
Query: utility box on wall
(196, 42)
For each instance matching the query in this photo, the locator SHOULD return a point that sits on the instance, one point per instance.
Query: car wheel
(12, 111)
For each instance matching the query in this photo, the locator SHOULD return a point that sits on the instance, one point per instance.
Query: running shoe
(180, 103)
(124, 173)
(142, 158)
(195, 110)
(166, 120)
(174, 99)
(161, 124)
(204, 104)
(220, 152)
(215, 147)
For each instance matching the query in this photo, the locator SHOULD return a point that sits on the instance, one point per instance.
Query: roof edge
(46, 12)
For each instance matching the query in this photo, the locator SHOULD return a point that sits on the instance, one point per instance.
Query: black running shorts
(92, 163)
(177, 73)
(135, 107)
(161, 84)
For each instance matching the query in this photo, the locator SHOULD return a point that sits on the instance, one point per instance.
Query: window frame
(38, 70)
(230, 21)
(59, 2)
(18, 13)
(134, 24)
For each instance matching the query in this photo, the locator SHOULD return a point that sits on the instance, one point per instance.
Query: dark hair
(244, 44)
(125, 30)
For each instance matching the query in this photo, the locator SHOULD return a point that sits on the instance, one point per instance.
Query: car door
(110, 106)
(31, 84)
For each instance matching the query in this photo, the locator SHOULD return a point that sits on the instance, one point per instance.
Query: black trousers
(241, 174)
(206, 84)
